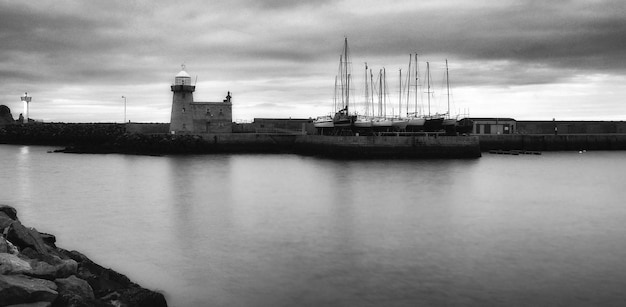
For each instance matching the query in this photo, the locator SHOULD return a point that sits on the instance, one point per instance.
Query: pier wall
(147, 128)
(250, 142)
(389, 146)
(551, 142)
(145, 139)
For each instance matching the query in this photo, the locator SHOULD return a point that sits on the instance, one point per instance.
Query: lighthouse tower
(181, 120)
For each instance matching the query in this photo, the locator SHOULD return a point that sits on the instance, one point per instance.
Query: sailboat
(449, 123)
(326, 121)
(364, 122)
(415, 119)
(398, 123)
(342, 118)
(381, 123)
(433, 122)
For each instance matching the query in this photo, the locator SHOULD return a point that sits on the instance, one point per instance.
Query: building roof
(183, 74)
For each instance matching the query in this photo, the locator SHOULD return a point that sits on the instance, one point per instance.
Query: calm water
(286, 230)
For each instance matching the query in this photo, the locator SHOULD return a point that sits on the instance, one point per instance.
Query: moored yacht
(323, 122)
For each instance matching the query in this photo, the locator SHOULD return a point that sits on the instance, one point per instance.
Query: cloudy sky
(524, 59)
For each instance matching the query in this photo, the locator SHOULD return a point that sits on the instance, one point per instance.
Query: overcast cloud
(522, 59)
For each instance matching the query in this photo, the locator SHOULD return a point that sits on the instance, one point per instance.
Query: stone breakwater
(35, 272)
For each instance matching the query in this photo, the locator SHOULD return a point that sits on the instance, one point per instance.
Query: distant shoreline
(98, 138)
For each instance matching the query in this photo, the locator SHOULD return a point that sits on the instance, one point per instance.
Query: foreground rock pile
(34, 272)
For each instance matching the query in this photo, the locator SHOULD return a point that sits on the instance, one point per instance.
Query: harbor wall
(146, 139)
(551, 142)
(425, 146)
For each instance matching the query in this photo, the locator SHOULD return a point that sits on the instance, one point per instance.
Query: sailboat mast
(408, 87)
(448, 87)
(341, 81)
(416, 82)
(400, 96)
(372, 89)
(428, 78)
(380, 92)
(366, 93)
(385, 91)
(345, 50)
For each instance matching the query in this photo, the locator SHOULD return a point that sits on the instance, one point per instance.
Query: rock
(29, 261)
(38, 304)
(5, 221)
(12, 264)
(7, 247)
(102, 280)
(73, 291)
(6, 118)
(4, 245)
(48, 271)
(140, 297)
(12, 249)
(21, 289)
(48, 266)
(48, 239)
(9, 211)
(24, 237)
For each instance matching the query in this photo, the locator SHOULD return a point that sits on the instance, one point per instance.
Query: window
(183, 110)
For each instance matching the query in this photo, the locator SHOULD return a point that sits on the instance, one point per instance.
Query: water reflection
(282, 230)
(22, 173)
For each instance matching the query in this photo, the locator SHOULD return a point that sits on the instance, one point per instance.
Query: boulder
(48, 266)
(24, 237)
(38, 304)
(102, 280)
(73, 291)
(5, 221)
(21, 289)
(48, 271)
(30, 261)
(140, 297)
(12, 264)
(48, 239)
(4, 245)
(9, 211)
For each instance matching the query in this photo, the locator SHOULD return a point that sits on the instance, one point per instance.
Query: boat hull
(324, 125)
(399, 124)
(449, 122)
(363, 124)
(381, 124)
(433, 124)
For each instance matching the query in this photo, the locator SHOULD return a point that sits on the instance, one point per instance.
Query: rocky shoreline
(35, 272)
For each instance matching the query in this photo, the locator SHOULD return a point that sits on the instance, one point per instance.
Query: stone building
(192, 117)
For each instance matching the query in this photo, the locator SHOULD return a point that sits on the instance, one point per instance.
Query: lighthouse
(193, 117)
(182, 112)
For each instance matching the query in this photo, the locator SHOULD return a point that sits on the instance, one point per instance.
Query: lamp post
(124, 108)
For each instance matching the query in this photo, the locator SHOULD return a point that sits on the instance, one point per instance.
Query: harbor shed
(493, 125)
